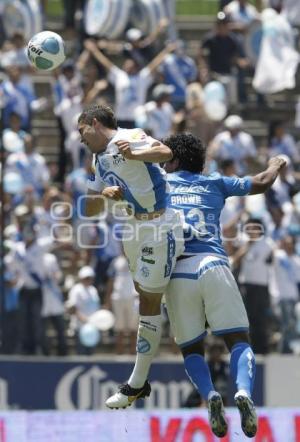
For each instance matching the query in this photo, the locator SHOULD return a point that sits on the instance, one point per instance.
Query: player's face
(92, 137)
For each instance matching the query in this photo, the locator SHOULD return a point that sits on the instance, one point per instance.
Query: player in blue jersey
(202, 286)
(127, 166)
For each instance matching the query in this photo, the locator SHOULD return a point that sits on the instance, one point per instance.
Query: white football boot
(127, 395)
(216, 414)
(247, 413)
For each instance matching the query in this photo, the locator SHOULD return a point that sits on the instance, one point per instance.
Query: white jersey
(144, 184)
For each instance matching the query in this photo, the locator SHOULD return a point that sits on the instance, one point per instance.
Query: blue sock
(242, 366)
(197, 370)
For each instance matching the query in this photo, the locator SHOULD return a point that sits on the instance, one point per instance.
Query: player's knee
(234, 338)
(195, 348)
(150, 304)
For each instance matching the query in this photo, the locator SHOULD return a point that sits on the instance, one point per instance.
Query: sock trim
(240, 345)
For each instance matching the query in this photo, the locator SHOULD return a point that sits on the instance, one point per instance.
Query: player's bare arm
(264, 180)
(157, 153)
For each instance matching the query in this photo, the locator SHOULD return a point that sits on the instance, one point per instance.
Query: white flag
(291, 10)
(278, 59)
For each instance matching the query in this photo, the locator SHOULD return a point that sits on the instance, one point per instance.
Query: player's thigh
(185, 310)
(224, 307)
(119, 312)
(131, 249)
(156, 262)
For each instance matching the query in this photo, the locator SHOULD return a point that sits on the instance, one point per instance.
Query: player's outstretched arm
(157, 153)
(264, 180)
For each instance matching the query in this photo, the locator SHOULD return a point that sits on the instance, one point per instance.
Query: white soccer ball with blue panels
(46, 50)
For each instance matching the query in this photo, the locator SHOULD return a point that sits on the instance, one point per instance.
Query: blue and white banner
(85, 384)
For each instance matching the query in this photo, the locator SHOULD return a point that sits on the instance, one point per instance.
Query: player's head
(188, 153)
(94, 125)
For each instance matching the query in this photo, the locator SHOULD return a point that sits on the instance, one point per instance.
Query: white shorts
(152, 248)
(203, 288)
(126, 315)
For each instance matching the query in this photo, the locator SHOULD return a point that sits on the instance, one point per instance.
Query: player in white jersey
(127, 166)
(202, 286)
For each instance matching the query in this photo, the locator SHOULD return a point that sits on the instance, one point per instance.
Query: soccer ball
(46, 50)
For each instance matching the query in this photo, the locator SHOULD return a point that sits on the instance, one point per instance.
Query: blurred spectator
(16, 53)
(75, 184)
(285, 289)
(280, 142)
(179, 70)
(53, 306)
(241, 14)
(70, 9)
(233, 205)
(195, 118)
(106, 247)
(27, 261)
(234, 144)
(31, 166)
(142, 48)
(131, 84)
(254, 258)
(158, 115)
(284, 188)
(11, 312)
(68, 81)
(225, 58)
(13, 135)
(83, 301)
(19, 97)
(121, 292)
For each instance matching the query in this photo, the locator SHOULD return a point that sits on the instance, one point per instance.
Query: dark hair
(104, 114)
(188, 150)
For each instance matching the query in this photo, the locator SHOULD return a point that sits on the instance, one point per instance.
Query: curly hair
(104, 114)
(188, 150)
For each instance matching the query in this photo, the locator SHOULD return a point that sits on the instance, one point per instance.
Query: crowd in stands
(60, 268)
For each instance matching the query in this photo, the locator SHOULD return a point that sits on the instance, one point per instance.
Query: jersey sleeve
(94, 181)
(235, 186)
(138, 139)
(115, 74)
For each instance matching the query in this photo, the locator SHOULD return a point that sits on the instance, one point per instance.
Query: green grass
(197, 7)
(183, 7)
(54, 8)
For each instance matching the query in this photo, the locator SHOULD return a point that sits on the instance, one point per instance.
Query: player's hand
(277, 162)
(124, 149)
(113, 193)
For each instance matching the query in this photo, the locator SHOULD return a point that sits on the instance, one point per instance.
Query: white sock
(148, 340)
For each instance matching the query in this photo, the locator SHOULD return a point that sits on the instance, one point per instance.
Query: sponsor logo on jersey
(92, 177)
(118, 159)
(145, 271)
(104, 163)
(138, 135)
(146, 251)
(193, 188)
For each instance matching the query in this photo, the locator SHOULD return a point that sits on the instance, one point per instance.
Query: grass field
(183, 7)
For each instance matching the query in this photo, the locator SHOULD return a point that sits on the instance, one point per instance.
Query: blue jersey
(201, 199)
